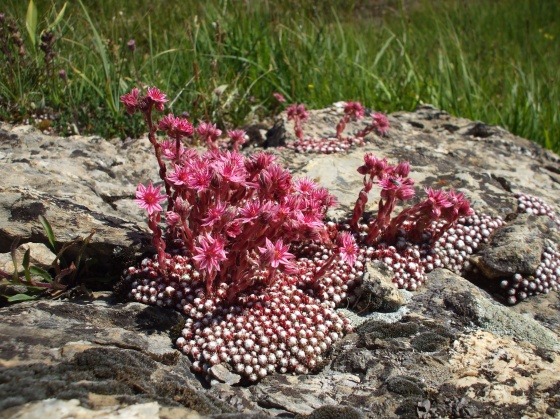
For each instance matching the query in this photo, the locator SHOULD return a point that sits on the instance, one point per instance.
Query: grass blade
(98, 42)
(49, 232)
(381, 52)
(58, 18)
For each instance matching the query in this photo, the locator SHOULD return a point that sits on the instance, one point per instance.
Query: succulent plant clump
(247, 255)
(352, 111)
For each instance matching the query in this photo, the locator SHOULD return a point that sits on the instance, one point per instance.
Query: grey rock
(377, 292)
(474, 306)
(55, 408)
(515, 248)
(114, 239)
(79, 350)
(405, 386)
(335, 412)
(223, 374)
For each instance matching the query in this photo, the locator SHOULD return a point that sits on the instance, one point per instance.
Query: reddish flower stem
(157, 149)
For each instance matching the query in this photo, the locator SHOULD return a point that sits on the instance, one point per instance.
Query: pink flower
(275, 254)
(312, 220)
(258, 162)
(208, 132)
(172, 218)
(167, 123)
(296, 111)
(210, 253)
(354, 110)
(214, 214)
(149, 198)
(238, 137)
(396, 186)
(169, 149)
(157, 97)
(233, 229)
(200, 179)
(250, 211)
(460, 206)
(381, 123)
(324, 198)
(437, 200)
(275, 181)
(179, 177)
(130, 100)
(373, 166)
(302, 113)
(279, 97)
(402, 169)
(176, 127)
(231, 171)
(347, 247)
(305, 185)
(184, 127)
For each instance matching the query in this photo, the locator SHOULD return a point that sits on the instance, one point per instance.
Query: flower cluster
(352, 111)
(416, 224)
(411, 262)
(233, 251)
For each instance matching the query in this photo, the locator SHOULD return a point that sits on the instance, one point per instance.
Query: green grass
(496, 61)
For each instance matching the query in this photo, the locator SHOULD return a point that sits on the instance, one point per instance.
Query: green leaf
(25, 264)
(48, 231)
(42, 273)
(21, 297)
(58, 18)
(31, 22)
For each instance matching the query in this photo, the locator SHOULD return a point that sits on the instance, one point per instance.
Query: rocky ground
(450, 349)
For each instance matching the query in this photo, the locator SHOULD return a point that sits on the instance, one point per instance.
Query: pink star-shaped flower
(347, 247)
(296, 111)
(402, 188)
(373, 166)
(157, 97)
(381, 123)
(130, 100)
(275, 254)
(354, 109)
(176, 127)
(210, 253)
(179, 177)
(214, 214)
(305, 185)
(149, 198)
(436, 202)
